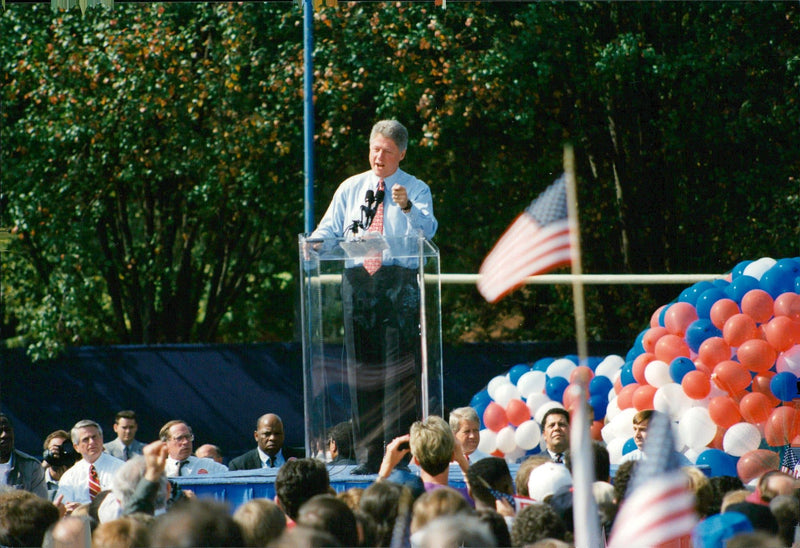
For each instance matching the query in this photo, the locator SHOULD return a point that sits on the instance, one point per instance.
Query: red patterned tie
(94, 482)
(373, 262)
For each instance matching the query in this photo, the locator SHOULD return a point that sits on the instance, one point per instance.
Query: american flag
(537, 241)
(789, 462)
(659, 507)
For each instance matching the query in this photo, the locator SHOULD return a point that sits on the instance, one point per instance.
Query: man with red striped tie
(380, 296)
(90, 475)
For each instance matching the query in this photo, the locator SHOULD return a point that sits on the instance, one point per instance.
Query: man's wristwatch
(408, 206)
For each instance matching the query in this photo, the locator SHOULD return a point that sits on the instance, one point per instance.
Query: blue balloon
(707, 300)
(721, 284)
(479, 403)
(698, 289)
(779, 279)
(638, 345)
(542, 364)
(738, 270)
(784, 386)
(629, 446)
(594, 361)
(517, 371)
(555, 388)
(685, 295)
(661, 316)
(721, 463)
(679, 367)
(740, 286)
(574, 358)
(599, 404)
(626, 374)
(600, 385)
(700, 330)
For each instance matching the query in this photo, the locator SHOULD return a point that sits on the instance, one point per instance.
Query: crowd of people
(89, 493)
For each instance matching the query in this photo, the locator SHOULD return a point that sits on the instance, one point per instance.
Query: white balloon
(609, 366)
(696, 428)
(622, 424)
(614, 448)
(515, 456)
(789, 361)
(671, 399)
(535, 401)
(505, 439)
(544, 408)
(494, 384)
(757, 268)
(691, 454)
(613, 406)
(656, 373)
(506, 393)
(527, 435)
(607, 433)
(561, 368)
(531, 383)
(488, 442)
(741, 438)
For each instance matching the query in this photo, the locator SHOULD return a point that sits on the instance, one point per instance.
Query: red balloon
(625, 396)
(651, 337)
(756, 463)
(639, 365)
(678, 317)
(788, 304)
(643, 397)
(721, 311)
(719, 437)
(670, 347)
(761, 384)
(758, 304)
(656, 315)
(494, 417)
(696, 385)
(497, 453)
(617, 385)
(713, 350)
(595, 430)
(731, 376)
(724, 411)
(738, 329)
(782, 426)
(755, 407)
(782, 333)
(570, 398)
(517, 412)
(581, 374)
(756, 355)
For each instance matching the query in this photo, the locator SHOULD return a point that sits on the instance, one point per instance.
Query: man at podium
(380, 295)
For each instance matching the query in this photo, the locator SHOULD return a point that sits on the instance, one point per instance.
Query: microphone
(379, 197)
(370, 197)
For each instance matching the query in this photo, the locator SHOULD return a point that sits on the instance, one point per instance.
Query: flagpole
(575, 250)
(584, 508)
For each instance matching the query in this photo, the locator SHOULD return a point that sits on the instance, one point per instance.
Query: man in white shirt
(641, 420)
(74, 485)
(178, 436)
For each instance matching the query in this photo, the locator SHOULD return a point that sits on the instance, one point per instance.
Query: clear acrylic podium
(389, 340)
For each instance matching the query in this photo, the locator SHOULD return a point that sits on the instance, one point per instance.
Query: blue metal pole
(308, 111)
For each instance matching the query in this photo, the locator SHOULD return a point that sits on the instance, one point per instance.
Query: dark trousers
(382, 338)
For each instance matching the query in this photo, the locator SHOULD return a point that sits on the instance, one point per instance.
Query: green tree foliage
(152, 155)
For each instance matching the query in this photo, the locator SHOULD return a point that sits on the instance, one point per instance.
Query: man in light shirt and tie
(180, 462)
(74, 485)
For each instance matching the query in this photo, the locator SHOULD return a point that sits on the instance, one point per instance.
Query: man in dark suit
(269, 451)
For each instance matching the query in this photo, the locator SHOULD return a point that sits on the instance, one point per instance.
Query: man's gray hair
(462, 414)
(86, 423)
(393, 130)
(125, 480)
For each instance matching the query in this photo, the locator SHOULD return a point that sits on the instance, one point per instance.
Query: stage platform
(238, 487)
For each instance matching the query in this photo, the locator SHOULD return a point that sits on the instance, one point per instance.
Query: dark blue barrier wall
(220, 390)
